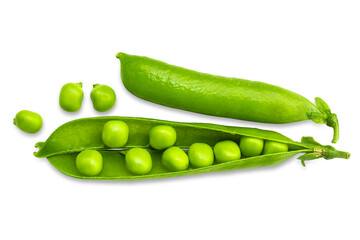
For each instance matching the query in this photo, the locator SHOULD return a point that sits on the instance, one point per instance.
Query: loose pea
(175, 159)
(103, 97)
(115, 134)
(162, 136)
(226, 151)
(251, 146)
(274, 147)
(71, 96)
(138, 161)
(89, 162)
(201, 155)
(28, 121)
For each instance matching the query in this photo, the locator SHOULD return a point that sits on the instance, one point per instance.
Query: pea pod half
(185, 89)
(63, 145)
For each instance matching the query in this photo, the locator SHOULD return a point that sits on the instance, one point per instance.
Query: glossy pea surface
(175, 159)
(115, 134)
(226, 151)
(162, 136)
(103, 97)
(274, 147)
(138, 161)
(89, 162)
(28, 121)
(251, 146)
(71, 96)
(201, 155)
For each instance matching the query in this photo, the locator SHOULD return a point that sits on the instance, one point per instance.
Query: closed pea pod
(64, 144)
(185, 89)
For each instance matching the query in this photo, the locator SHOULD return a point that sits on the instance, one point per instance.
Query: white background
(310, 47)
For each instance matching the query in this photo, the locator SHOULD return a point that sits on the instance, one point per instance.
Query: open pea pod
(63, 145)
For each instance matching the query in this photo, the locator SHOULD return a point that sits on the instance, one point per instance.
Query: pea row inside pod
(126, 148)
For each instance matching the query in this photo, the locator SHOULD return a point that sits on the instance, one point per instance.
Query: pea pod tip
(38, 145)
(341, 154)
(119, 54)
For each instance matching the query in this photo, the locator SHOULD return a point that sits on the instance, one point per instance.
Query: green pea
(175, 159)
(274, 147)
(103, 97)
(226, 151)
(201, 155)
(251, 146)
(71, 96)
(28, 121)
(138, 161)
(115, 134)
(89, 162)
(162, 136)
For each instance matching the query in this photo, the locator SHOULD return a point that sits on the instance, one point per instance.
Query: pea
(115, 134)
(201, 155)
(175, 159)
(103, 97)
(226, 151)
(89, 162)
(251, 146)
(71, 96)
(162, 136)
(138, 161)
(274, 147)
(28, 121)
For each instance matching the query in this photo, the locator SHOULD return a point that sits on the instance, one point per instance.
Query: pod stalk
(319, 151)
(330, 118)
(330, 152)
(341, 154)
(334, 123)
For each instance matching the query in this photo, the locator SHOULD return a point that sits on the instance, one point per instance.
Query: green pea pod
(63, 145)
(185, 89)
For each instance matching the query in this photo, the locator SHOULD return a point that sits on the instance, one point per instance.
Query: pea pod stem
(334, 123)
(63, 145)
